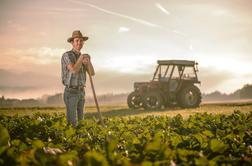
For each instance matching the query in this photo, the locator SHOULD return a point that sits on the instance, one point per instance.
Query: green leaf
(5, 137)
(153, 146)
(69, 132)
(199, 138)
(208, 133)
(94, 158)
(175, 140)
(37, 144)
(15, 142)
(217, 146)
(68, 157)
(201, 161)
(135, 140)
(183, 154)
(147, 163)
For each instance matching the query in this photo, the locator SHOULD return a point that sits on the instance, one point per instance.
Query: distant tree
(55, 100)
(2, 100)
(246, 91)
(26, 103)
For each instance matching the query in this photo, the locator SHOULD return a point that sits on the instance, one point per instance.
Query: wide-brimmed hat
(77, 34)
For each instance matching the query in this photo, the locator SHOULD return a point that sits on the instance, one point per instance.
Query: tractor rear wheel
(189, 97)
(152, 100)
(134, 100)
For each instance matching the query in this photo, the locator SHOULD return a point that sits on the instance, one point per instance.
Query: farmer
(74, 66)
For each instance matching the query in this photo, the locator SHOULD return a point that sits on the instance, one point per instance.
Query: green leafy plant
(201, 139)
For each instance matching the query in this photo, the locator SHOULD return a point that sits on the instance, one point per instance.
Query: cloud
(221, 12)
(28, 79)
(135, 19)
(225, 62)
(28, 84)
(141, 21)
(65, 11)
(135, 64)
(16, 26)
(15, 89)
(159, 6)
(219, 35)
(41, 55)
(179, 33)
(111, 81)
(212, 79)
(34, 84)
(43, 33)
(123, 29)
(191, 47)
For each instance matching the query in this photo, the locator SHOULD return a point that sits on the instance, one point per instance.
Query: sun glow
(126, 64)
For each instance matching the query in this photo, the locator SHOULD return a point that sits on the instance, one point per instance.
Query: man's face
(77, 43)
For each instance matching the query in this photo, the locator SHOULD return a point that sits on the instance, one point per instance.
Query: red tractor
(173, 83)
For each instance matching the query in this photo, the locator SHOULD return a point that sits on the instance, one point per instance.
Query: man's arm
(88, 64)
(75, 68)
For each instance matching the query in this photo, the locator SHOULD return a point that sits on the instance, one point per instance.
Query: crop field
(213, 134)
(124, 111)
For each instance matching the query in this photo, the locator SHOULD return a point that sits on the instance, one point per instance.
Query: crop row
(201, 139)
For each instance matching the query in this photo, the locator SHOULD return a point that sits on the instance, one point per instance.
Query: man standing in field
(74, 66)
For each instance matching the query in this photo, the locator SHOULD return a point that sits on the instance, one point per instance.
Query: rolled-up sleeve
(66, 59)
(66, 74)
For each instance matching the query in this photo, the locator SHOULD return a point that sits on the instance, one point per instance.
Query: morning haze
(126, 38)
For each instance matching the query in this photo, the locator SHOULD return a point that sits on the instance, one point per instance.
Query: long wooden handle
(89, 67)
(95, 99)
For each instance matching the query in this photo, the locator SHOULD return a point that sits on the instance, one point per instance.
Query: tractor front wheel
(152, 100)
(134, 100)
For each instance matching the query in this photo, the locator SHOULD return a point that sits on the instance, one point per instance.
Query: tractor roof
(176, 62)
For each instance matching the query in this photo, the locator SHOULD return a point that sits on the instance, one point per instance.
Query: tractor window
(175, 74)
(167, 71)
(189, 73)
(163, 73)
(161, 70)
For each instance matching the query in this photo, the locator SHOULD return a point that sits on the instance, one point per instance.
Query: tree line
(57, 100)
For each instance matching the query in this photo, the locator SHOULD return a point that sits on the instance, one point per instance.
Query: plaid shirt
(68, 78)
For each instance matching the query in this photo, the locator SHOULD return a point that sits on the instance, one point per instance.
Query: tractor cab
(173, 82)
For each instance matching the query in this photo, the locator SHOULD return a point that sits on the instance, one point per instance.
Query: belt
(75, 87)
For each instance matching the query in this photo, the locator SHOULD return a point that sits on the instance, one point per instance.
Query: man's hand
(87, 62)
(86, 59)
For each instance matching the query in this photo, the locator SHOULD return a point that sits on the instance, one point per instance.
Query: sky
(126, 38)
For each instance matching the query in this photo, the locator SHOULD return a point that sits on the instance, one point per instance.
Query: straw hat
(77, 34)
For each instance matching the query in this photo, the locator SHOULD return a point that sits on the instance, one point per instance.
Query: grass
(124, 111)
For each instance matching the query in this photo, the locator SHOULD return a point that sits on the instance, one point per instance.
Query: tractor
(173, 84)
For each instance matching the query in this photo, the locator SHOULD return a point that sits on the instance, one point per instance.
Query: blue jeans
(74, 100)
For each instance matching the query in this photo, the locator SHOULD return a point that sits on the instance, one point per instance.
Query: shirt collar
(76, 53)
